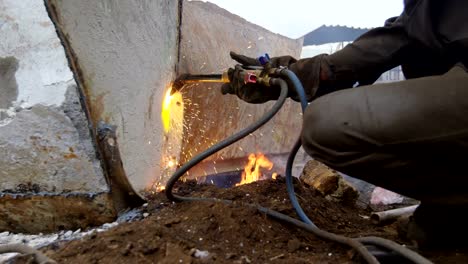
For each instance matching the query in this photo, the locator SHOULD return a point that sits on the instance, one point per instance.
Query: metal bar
(203, 81)
(198, 77)
(385, 216)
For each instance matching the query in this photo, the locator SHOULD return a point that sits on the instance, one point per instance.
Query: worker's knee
(332, 129)
(309, 128)
(317, 131)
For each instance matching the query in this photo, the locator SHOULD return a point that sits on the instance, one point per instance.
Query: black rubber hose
(297, 85)
(290, 186)
(390, 245)
(358, 246)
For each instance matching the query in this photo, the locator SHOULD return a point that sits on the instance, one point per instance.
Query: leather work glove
(253, 93)
(308, 69)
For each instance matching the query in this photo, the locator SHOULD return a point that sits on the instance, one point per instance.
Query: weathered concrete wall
(45, 143)
(123, 54)
(28, 35)
(208, 34)
(41, 135)
(42, 152)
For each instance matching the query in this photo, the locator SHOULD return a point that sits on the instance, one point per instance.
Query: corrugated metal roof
(329, 34)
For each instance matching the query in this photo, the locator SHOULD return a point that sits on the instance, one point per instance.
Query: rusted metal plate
(208, 34)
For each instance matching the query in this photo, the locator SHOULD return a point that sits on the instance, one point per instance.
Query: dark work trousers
(410, 137)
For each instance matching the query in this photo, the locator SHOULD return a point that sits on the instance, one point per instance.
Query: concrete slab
(123, 54)
(41, 152)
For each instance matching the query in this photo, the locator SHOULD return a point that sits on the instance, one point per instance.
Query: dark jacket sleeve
(362, 61)
(428, 38)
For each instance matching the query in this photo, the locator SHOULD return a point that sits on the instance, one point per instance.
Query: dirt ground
(235, 233)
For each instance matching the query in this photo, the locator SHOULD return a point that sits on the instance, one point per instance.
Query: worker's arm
(361, 62)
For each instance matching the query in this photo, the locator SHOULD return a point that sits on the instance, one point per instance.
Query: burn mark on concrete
(149, 113)
(70, 156)
(28, 187)
(97, 102)
(8, 85)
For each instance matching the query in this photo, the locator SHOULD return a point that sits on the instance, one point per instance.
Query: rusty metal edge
(180, 8)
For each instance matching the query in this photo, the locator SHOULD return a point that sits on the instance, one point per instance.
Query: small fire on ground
(253, 170)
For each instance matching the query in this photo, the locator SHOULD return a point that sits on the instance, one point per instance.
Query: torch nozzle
(198, 78)
(176, 86)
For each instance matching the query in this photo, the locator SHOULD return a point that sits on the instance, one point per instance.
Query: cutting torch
(250, 74)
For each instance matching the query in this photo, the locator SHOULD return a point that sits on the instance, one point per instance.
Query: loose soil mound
(231, 233)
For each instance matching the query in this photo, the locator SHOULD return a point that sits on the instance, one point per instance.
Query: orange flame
(171, 110)
(251, 171)
(165, 113)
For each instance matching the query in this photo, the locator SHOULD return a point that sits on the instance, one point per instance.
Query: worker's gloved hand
(310, 72)
(251, 92)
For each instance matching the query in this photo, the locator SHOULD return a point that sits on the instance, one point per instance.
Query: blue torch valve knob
(264, 59)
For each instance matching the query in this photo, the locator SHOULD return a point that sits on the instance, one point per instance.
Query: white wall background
(27, 33)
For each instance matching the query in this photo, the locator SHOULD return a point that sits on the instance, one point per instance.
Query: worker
(410, 136)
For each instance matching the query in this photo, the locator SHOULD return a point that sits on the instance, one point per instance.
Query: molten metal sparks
(171, 164)
(251, 171)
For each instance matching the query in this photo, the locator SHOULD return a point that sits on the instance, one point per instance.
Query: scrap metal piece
(390, 215)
